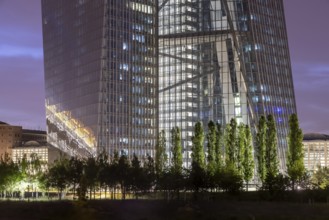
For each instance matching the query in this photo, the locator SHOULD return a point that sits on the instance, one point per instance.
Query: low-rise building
(17, 142)
(316, 150)
(46, 153)
(10, 136)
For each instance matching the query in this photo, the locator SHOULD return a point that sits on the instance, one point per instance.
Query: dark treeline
(222, 160)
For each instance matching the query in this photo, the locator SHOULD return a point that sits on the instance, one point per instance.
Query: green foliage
(198, 156)
(229, 179)
(295, 159)
(275, 186)
(82, 189)
(10, 173)
(75, 171)
(320, 178)
(177, 157)
(112, 176)
(160, 156)
(198, 172)
(149, 170)
(123, 174)
(198, 177)
(103, 169)
(211, 147)
(248, 159)
(35, 166)
(231, 144)
(139, 177)
(58, 176)
(241, 141)
(219, 147)
(271, 155)
(91, 170)
(135, 177)
(261, 148)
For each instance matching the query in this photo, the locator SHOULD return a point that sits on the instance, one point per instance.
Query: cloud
(321, 69)
(20, 37)
(311, 88)
(23, 118)
(17, 51)
(306, 74)
(21, 63)
(22, 91)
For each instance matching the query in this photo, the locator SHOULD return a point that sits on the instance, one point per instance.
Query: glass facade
(220, 59)
(101, 77)
(116, 71)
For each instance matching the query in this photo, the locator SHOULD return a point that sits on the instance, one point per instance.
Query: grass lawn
(158, 209)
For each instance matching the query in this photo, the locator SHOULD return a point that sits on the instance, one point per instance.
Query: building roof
(3, 123)
(29, 131)
(33, 144)
(315, 136)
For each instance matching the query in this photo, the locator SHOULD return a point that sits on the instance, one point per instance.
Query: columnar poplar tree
(231, 144)
(198, 156)
(271, 154)
(211, 147)
(295, 159)
(240, 147)
(261, 147)
(177, 158)
(219, 146)
(198, 175)
(160, 155)
(248, 160)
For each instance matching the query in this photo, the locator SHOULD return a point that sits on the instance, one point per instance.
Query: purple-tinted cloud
(309, 49)
(21, 64)
(22, 91)
(311, 86)
(16, 51)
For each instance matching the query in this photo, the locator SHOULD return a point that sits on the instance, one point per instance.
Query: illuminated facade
(316, 151)
(220, 59)
(29, 148)
(116, 71)
(40, 149)
(10, 137)
(101, 77)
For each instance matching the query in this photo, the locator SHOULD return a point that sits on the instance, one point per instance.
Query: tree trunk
(48, 193)
(74, 190)
(60, 194)
(123, 193)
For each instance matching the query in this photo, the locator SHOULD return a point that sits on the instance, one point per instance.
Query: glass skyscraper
(118, 71)
(101, 76)
(220, 59)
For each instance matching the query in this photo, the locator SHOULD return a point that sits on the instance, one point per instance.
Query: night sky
(21, 62)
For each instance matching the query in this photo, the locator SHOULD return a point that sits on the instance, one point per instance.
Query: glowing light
(141, 7)
(73, 127)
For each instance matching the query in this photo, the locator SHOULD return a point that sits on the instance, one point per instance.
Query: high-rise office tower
(220, 59)
(101, 75)
(108, 61)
